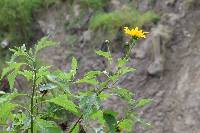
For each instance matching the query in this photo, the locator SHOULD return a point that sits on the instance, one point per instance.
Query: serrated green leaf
(88, 81)
(44, 126)
(48, 86)
(90, 78)
(12, 71)
(11, 78)
(42, 73)
(121, 62)
(19, 51)
(126, 125)
(5, 111)
(143, 102)
(68, 76)
(88, 104)
(43, 43)
(114, 77)
(98, 115)
(63, 101)
(74, 66)
(9, 96)
(6, 71)
(104, 96)
(92, 74)
(110, 121)
(124, 94)
(27, 74)
(104, 54)
(125, 70)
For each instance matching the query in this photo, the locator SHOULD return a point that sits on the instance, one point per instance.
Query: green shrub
(113, 20)
(16, 18)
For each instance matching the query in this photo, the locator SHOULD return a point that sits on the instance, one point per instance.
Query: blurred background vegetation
(18, 20)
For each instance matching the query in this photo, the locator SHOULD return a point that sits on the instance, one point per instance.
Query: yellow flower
(135, 32)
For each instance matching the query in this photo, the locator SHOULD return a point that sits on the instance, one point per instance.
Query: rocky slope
(175, 90)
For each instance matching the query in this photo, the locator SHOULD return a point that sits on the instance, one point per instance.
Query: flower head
(136, 33)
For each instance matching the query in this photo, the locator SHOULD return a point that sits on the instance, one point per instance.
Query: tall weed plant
(54, 89)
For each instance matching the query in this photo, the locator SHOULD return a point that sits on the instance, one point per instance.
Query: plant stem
(78, 121)
(32, 96)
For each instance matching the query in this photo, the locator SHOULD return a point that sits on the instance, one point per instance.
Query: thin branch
(77, 122)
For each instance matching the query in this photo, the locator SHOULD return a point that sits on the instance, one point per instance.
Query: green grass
(113, 20)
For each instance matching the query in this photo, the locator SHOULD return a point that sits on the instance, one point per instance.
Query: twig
(77, 122)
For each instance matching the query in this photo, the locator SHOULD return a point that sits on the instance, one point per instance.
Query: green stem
(32, 96)
(77, 122)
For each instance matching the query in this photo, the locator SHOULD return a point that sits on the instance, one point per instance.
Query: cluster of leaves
(54, 89)
(113, 20)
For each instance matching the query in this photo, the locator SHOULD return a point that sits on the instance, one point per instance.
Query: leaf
(48, 86)
(6, 71)
(9, 96)
(27, 74)
(64, 102)
(125, 70)
(88, 104)
(68, 76)
(75, 129)
(12, 70)
(74, 67)
(11, 78)
(104, 96)
(43, 43)
(5, 111)
(104, 54)
(90, 78)
(92, 74)
(42, 73)
(98, 115)
(126, 124)
(110, 121)
(61, 77)
(143, 102)
(88, 81)
(19, 51)
(124, 93)
(44, 126)
(121, 62)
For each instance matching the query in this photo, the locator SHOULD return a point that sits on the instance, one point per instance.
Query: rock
(156, 68)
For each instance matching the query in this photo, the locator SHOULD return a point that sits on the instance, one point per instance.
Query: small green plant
(53, 89)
